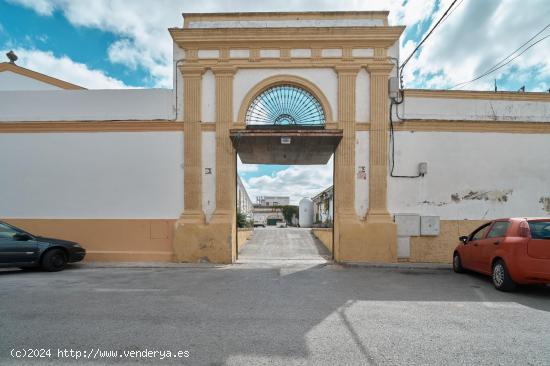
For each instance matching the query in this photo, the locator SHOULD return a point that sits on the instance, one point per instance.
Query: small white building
(273, 201)
(323, 207)
(244, 203)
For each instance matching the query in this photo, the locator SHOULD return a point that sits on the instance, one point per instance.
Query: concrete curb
(407, 266)
(146, 265)
(412, 266)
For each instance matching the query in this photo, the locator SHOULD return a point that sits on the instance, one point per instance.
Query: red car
(513, 251)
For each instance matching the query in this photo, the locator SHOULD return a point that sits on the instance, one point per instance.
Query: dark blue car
(19, 248)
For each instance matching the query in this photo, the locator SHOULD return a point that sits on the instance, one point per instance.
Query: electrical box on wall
(422, 169)
(429, 225)
(393, 87)
(407, 224)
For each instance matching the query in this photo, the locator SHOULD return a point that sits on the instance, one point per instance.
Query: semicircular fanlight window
(285, 105)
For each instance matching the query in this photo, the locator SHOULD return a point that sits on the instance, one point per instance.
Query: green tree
(288, 212)
(241, 220)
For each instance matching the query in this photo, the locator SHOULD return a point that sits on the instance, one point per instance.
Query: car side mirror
(22, 237)
(463, 239)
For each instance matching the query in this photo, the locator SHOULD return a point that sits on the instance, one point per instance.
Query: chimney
(12, 57)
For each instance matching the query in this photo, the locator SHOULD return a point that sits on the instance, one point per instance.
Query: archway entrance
(285, 136)
(233, 68)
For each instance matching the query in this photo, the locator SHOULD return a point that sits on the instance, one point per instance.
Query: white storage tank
(306, 212)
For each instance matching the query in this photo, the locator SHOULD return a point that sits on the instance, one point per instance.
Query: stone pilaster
(192, 158)
(344, 159)
(378, 142)
(225, 154)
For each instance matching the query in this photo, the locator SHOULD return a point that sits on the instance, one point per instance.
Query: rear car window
(539, 229)
(499, 229)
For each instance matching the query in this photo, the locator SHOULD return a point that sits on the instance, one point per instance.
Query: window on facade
(285, 105)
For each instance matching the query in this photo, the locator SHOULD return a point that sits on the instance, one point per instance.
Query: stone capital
(345, 70)
(224, 70)
(191, 71)
(380, 68)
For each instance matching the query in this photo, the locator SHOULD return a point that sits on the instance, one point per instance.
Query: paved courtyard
(264, 314)
(271, 243)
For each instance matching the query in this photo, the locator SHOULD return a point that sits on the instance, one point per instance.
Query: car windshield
(540, 229)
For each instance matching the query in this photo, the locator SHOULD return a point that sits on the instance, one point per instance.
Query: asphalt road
(257, 314)
(274, 243)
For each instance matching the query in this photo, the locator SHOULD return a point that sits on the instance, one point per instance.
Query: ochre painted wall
(325, 236)
(439, 249)
(110, 240)
(242, 237)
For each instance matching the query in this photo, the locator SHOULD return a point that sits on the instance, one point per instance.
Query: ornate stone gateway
(287, 88)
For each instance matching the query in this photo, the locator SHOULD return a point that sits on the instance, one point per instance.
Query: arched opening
(285, 105)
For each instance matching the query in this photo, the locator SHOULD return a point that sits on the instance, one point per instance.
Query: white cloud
(296, 181)
(246, 168)
(65, 69)
(475, 36)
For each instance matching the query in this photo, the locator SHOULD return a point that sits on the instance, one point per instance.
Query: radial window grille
(285, 105)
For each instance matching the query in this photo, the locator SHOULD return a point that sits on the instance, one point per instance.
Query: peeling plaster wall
(472, 176)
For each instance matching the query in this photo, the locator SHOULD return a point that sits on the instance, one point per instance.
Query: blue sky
(120, 43)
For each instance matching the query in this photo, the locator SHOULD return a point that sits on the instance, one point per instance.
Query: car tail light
(524, 231)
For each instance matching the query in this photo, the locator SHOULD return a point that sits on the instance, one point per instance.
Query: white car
(281, 224)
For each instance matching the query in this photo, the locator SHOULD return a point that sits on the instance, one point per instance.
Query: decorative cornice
(473, 126)
(6, 66)
(90, 126)
(322, 37)
(470, 94)
(97, 126)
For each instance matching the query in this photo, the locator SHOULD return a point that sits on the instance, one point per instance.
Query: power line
(505, 60)
(441, 19)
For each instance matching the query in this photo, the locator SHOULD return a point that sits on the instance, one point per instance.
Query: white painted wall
(362, 95)
(361, 185)
(475, 109)
(70, 105)
(208, 180)
(324, 78)
(208, 99)
(491, 164)
(91, 175)
(177, 90)
(12, 81)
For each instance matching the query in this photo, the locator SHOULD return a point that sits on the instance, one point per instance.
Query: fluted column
(344, 162)
(378, 142)
(192, 159)
(225, 154)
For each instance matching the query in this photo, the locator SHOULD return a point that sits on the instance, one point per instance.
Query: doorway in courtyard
(285, 169)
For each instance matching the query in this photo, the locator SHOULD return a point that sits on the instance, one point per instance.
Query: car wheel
(54, 260)
(501, 277)
(457, 264)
